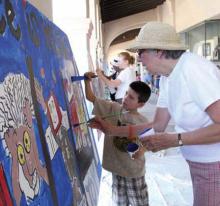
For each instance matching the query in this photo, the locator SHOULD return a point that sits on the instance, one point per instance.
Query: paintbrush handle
(80, 78)
(76, 125)
(105, 117)
(112, 115)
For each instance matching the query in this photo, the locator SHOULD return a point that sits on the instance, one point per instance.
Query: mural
(44, 159)
(18, 137)
(85, 147)
(91, 185)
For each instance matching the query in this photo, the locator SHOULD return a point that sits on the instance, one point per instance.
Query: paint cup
(132, 148)
(146, 132)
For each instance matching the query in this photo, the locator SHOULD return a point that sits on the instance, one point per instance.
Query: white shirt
(126, 76)
(193, 85)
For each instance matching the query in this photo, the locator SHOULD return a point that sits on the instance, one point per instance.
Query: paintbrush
(80, 78)
(105, 117)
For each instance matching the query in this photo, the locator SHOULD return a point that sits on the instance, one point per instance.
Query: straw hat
(157, 35)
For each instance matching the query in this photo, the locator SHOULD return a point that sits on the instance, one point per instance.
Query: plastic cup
(132, 148)
(146, 132)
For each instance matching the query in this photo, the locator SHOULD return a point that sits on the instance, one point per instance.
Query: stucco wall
(182, 14)
(44, 6)
(111, 30)
(166, 12)
(114, 28)
(191, 12)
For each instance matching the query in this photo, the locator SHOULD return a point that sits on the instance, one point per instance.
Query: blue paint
(132, 147)
(30, 34)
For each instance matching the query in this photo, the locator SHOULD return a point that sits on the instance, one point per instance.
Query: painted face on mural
(21, 144)
(22, 151)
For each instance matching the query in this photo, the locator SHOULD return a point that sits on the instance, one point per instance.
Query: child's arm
(88, 90)
(106, 80)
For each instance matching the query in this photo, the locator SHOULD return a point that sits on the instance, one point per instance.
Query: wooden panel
(113, 9)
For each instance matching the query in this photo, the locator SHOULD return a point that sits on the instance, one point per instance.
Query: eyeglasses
(140, 51)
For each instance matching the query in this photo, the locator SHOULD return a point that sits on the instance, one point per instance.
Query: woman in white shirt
(126, 76)
(189, 94)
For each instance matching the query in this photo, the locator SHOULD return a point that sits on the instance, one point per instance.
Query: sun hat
(157, 35)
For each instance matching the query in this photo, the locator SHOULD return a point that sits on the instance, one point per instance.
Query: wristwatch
(180, 142)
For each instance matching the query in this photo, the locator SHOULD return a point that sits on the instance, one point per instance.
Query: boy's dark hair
(142, 89)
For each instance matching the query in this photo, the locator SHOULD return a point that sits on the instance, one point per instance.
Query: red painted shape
(5, 197)
(24, 3)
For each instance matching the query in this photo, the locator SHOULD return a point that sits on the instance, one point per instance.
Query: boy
(128, 185)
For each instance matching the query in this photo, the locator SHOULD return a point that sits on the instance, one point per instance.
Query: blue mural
(44, 159)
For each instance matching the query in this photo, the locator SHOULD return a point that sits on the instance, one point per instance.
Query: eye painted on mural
(2, 22)
(21, 155)
(27, 142)
(48, 35)
(33, 25)
(2, 25)
(10, 16)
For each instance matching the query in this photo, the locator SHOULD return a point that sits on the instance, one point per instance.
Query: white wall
(80, 20)
(114, 28)
(191, 12)
(167, 12)
(182, 14)
(44, 6)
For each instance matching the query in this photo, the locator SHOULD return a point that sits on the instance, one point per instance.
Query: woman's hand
(99, 72)
(159, 141)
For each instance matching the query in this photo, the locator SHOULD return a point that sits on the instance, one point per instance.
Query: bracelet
(130, 132)
(180, 142)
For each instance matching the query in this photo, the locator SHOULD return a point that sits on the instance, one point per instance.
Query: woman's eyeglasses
(140, 51)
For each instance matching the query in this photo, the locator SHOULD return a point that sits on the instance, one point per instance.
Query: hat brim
(135, 45)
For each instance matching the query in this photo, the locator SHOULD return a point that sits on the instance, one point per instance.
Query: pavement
(167, 173)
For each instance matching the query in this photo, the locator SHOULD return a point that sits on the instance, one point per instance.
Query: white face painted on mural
(67, 72)
(51, 142)
(19, 137)
(29, 190)
(53, 112)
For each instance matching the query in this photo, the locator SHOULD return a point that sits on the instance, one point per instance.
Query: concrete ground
(167, 173)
